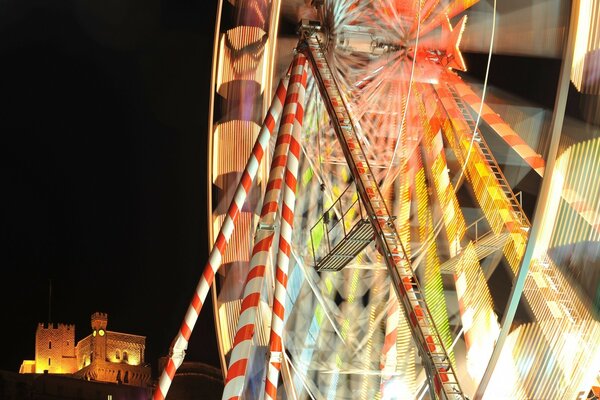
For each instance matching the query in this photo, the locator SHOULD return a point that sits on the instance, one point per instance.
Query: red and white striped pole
(389, 357)
(180, 343)
(284, 254)
(238, 362)
(512, 138)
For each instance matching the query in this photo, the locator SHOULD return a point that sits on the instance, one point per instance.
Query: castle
(104, 356)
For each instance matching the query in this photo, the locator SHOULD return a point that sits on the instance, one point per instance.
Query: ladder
(442, 379)
(490, 160)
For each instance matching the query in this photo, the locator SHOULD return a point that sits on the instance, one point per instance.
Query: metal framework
(362, 244)
(438, 367)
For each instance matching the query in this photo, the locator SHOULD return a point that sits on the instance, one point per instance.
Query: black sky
(104, 122)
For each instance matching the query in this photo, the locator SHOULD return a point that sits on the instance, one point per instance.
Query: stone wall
(55, 348)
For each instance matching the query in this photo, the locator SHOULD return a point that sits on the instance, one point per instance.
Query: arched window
(125, 357)
(118, 355)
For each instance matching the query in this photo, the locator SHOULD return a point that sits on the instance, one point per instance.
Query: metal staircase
(485, 244)
(440, 373)
(546, 292)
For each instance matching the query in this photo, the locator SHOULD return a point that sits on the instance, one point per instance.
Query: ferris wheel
(354, 205)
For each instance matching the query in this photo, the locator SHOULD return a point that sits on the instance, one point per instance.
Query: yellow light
(94, 333)
(101, 332)
(586, 42)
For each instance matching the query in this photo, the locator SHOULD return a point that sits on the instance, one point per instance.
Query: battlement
(52, 325)
(100, 315)
(99, 320)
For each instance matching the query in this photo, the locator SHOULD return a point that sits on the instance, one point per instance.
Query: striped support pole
(284, 254)
(180, 343)
(389, 356)
(438, 174)
(476, 310)
(242, 345)
(512, 138)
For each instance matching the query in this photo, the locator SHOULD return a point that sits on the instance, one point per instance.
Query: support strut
(440, 372)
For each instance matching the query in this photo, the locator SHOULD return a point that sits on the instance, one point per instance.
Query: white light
(395, 389)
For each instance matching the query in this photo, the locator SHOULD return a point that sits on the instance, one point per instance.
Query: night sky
(103, 161)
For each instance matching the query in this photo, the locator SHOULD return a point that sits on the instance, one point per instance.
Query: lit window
(125, 356)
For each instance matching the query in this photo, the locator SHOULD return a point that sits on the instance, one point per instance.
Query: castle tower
(55, 349)
(99, 322)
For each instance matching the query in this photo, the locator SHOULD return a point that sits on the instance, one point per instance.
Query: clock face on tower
(101, 332)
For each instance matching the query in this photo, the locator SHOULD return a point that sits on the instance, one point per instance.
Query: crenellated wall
(55, 349)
